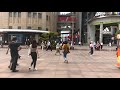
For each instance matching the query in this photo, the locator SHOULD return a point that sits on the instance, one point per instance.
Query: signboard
(100, 14)
(118, 36)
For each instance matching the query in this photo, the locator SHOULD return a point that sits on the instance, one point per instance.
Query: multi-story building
(66, 25)
(102, 27)
(29, 20)
(39, 21)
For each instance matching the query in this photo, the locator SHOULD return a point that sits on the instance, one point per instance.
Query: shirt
(14, 48)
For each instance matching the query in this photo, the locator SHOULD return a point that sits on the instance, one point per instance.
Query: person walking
(91, 48)
(118, 57)
(34, 54)
(49, 46)
(14, 48)
(101, 45)
(57, 48)
(65, 48)
(42, 45)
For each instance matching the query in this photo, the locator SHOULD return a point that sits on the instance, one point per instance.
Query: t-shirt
(91, 45)
(57, 46)
(65, 47)
(14, 48)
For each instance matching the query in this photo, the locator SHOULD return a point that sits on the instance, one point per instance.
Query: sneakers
(34, 69)
(29, 68)
(66, 61)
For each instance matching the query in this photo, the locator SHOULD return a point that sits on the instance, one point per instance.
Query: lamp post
(72, 42)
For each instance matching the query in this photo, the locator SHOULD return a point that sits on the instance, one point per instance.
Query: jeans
(65, 55)
(34, 58)
(14, 60)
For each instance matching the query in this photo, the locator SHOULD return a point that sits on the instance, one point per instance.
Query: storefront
(22, 35)
(103, 28)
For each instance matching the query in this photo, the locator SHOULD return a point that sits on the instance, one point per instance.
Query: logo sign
(106, 31)
(118, 36)
(100, 14)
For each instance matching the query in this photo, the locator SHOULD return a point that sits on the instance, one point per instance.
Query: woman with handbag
(65, 48)
(34, 54)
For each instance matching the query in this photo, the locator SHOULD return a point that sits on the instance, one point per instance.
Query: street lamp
(72, 43)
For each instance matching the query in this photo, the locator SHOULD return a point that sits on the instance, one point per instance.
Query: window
(47, 17)
(19, 14)
(39, 28)
(46, 29)
(15, 14)
(10, 14)
(29, 27)
(39, 15)
(34, 15)
(19, 27)
(10, 27)
(29, 14)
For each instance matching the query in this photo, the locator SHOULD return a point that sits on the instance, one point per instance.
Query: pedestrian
(14, 48)
(42, 45)
(65, 48)
(34, 54)
(91, 48)
(57, 48)
(49, 46)
(11, 57)
(101, 45)
(79, 43)
(28, 43)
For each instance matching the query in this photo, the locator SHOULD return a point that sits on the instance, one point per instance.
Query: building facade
(36, 21)
(103, 26)
(66, 25)
(28, 20)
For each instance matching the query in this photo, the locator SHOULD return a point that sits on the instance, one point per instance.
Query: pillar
(80, 24)
(90, 33)
(111, 30)
(101, 34)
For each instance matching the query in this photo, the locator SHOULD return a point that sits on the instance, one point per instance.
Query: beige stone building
(28, 20)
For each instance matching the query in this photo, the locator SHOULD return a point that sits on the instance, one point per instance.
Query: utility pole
(72, 43)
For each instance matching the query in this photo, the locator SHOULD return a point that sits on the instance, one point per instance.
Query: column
(80, 23)
(111, 27)
(101, 34)
(90, 33)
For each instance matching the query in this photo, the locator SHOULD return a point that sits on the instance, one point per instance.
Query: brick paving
(49, 65)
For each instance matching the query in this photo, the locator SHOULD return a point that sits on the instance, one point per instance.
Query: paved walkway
(49, 65)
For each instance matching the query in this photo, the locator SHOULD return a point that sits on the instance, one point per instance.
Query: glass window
(34, 15)
(46, 29)
(19, 14)
(15, 14)
(10, 14)
(39, 28)
(39, 15)
(29, 27)
(47, 17)
(19, 27)
(10, 27)
(29, 14)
